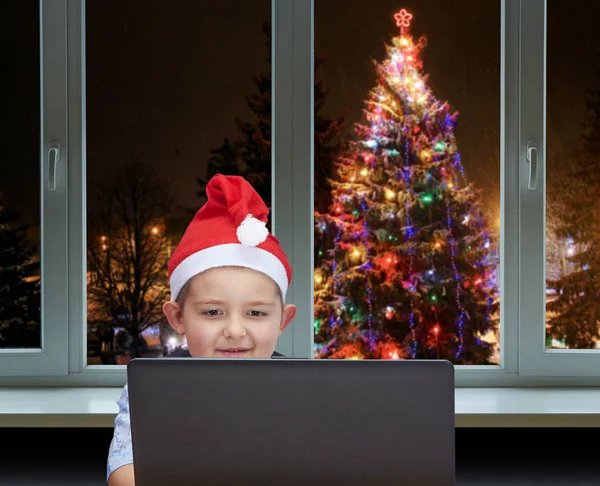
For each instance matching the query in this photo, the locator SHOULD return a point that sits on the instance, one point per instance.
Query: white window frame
(292, 156)
(301, 341)
(523, 362)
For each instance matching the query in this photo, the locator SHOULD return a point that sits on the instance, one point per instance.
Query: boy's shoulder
(184, 353)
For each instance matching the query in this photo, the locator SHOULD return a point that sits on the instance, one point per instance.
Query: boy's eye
(257, 313)
(212, 312)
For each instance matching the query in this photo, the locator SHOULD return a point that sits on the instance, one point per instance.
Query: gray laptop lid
(292, 422)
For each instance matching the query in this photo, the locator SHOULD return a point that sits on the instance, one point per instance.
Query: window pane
(407, 231)
(176, 92)
(20, 175)
(573, 162)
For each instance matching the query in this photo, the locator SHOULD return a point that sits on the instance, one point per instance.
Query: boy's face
(230, 312)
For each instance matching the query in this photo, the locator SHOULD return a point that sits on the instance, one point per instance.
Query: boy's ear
(289, 312)
(172, 311)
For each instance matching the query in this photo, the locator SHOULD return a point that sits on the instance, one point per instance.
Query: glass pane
(573, 157)
(20, 285)
(176, 92)
(407, 177)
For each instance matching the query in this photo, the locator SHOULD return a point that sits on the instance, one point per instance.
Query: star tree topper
(403, 19)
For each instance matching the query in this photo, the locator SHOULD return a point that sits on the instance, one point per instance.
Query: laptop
(217, 422)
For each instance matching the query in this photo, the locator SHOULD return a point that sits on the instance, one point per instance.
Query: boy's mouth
(233, 352)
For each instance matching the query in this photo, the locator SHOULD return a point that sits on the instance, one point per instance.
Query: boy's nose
(234, 328)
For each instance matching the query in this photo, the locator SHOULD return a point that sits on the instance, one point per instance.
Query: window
(33, 233)
(173, 96)
(407, 181)
(562, 330)
(125, 99)
(572, 149)
(20, 318)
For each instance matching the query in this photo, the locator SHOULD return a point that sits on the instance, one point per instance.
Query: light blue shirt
(120, 452)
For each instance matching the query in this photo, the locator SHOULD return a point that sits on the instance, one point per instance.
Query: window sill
(475, 407)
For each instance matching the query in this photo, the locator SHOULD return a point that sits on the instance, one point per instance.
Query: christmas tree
(408, 272)
(573, 313)
(19, 285)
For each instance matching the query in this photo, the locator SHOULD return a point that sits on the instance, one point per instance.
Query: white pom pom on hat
(229, 230)
(252, 231)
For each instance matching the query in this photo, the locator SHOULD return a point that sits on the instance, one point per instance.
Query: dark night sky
(166, 80)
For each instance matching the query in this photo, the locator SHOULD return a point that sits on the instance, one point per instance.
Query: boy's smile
(233, 352)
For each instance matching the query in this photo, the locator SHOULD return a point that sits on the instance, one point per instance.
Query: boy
(228, 279)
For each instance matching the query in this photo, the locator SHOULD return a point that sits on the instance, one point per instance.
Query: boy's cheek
(269, 341)
(200, 346)
(200, 335)
(194, 332)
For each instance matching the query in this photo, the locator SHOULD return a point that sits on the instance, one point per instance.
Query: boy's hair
(183, 293)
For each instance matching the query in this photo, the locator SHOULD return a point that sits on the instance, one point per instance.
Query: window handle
(532, 160)
(53, 159)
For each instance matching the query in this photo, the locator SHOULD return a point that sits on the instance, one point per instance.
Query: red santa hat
(229, 230)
